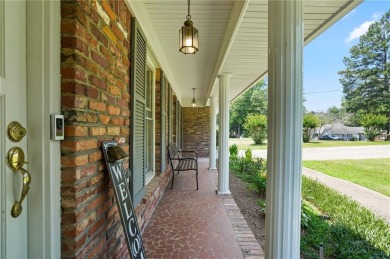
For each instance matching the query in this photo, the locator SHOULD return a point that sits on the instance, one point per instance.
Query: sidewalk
(335, 153)
(376, 202)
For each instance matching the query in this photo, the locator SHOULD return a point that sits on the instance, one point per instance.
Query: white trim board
(43, 79)
(2, 176)
(2, 36)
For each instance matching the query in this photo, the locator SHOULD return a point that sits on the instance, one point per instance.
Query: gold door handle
(17, 207)
(15, 161)
(15, 158)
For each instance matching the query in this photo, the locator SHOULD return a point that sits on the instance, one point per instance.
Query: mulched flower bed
(247, 201)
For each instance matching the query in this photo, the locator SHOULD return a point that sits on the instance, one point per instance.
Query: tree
(324, 119)
(373, 124)
(341, 115)
(310, 122)
(366, 79)
(256, 125)
(255, 101)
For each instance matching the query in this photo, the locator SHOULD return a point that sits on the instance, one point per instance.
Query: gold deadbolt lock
(16, 131)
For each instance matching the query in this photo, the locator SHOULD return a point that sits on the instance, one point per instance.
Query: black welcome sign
(123, 198)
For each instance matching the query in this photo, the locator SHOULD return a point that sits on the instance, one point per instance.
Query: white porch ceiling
(233, 38)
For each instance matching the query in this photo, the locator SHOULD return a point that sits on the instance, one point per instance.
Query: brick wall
(95, 46)
(196, 129)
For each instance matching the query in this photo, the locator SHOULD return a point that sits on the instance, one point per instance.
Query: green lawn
(373, 174)
(345, 228)
(350, 230)
(246, 143)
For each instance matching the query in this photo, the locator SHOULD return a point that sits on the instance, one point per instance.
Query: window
(163, 114)
(149, 126)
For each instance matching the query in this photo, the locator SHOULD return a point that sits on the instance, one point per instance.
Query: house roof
(339, 129)
(233, 38)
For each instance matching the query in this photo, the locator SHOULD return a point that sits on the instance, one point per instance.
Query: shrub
(262, 205)
(373, 123)
(233, 150)
(256, 125)
(353, 139)
(245, 165)
(305, 215)
(248, 154)
(239, 165)
(259, 182)
(251, 171)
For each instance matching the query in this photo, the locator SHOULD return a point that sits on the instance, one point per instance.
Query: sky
(323, 57)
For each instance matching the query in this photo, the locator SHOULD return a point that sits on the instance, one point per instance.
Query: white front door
(13, 107)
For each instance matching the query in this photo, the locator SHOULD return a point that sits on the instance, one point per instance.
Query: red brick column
(95, 46)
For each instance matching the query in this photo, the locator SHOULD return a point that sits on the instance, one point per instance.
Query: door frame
(44, 97)
(2, 131)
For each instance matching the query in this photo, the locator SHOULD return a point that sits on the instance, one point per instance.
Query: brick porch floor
(198, 224)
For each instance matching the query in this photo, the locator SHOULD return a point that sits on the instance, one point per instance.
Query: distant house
(340, 130)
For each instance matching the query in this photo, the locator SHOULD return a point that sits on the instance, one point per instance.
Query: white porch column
(213, 135)
(223, 154)
(285, 41)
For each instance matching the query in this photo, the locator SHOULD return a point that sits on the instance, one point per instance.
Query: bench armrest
(188, 151)
(183, 158)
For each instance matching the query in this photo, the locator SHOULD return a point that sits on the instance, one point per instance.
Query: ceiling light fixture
(193, 98)
(188, 36)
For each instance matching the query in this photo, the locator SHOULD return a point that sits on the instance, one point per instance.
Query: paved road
(336, 153)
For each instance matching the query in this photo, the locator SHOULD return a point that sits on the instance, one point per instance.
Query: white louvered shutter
(163, 122)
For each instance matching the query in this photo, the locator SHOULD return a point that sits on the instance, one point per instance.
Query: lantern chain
(189, 15)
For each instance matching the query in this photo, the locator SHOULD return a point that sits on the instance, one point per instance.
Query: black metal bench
(182, 160)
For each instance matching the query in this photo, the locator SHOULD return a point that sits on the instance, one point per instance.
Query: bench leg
(196, 179)
(173, 178)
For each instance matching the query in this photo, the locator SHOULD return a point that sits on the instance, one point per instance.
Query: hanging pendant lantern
(193, 98)
(188, 36)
